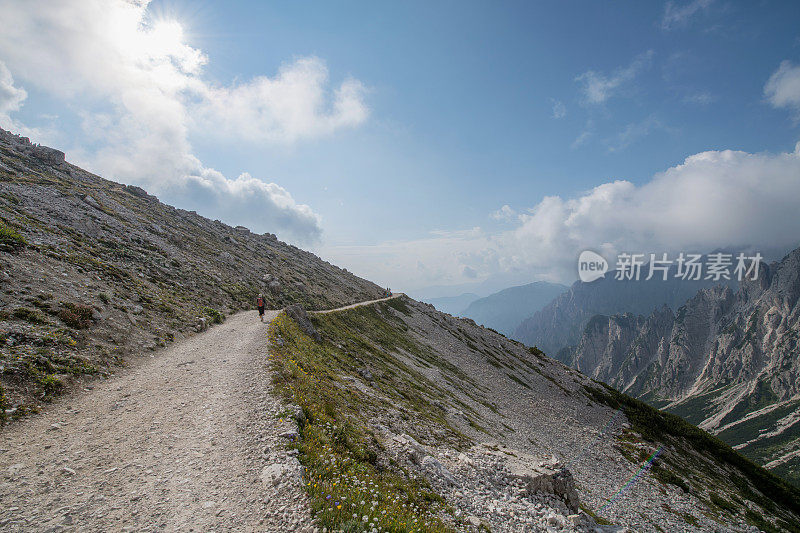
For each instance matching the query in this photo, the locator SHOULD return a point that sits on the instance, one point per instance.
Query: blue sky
(452, 110)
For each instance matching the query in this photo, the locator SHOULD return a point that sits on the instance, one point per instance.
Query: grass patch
(348, 488)
(10, 240)
(597, 518)
(215, 316)
(29, 315)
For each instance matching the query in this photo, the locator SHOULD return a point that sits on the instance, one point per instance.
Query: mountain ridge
(726, 360)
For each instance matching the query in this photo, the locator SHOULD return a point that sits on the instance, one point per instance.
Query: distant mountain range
(453, 305)
(561, 323)
(505, 310)
(725, 360)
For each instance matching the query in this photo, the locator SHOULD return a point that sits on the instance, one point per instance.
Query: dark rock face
(299, 315)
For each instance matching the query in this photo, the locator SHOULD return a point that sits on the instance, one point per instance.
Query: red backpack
(260, 302)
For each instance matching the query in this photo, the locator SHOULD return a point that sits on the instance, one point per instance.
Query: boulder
(535, 474)
(299, 315)
(437, 471)
(413, 448)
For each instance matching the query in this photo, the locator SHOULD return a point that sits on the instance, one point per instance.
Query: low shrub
(76, 316)
(29, 315)
(215, 316)
(10, 240)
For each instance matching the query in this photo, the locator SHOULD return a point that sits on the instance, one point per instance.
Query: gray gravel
(184, 440)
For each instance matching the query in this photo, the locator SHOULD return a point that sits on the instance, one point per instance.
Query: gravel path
(175, 443)
(359, 304)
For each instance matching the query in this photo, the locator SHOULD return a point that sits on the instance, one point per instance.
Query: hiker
(260, 304)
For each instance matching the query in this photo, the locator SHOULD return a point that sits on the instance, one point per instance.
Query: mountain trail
(188, 440)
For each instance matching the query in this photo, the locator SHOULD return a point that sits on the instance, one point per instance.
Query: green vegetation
(771, 492)
(10, 240)
(350, 489)
(696, 408)
(215, 316)
(597, 518)
(29, 315)
(4, 404)
(723, 504)
(762, 396)
(534, 350)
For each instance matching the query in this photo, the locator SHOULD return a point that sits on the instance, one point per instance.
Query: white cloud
(715, 199)
(701, 98)
(288, 107)
(505, 213)
(142, 91)
(11, 97)
(677, 16)
(598, 87)
(559, 109)
(783, 87)
(634, 132)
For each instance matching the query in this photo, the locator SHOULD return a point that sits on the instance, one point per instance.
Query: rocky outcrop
(299, 315)
(536, 475)
(21, 144)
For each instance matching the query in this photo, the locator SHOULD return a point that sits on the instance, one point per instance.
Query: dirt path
(187, 441)
(177, 444)
(370, 302)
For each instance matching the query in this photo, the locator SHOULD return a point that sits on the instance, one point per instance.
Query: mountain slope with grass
(410, 417)
(93, 271)
(727, 361)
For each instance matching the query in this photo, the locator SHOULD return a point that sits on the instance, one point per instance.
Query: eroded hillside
(93, 271)
(403, 407)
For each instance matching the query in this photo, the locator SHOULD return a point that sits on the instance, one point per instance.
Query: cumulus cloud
(678, 15)
(783, 87)
(142, 91)
(598, 87)
(288, 107)
(713, 200)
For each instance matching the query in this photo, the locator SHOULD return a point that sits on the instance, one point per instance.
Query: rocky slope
(725, 360)
(403, 407)
(92, 271)
(560, 324)
(505, 310)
